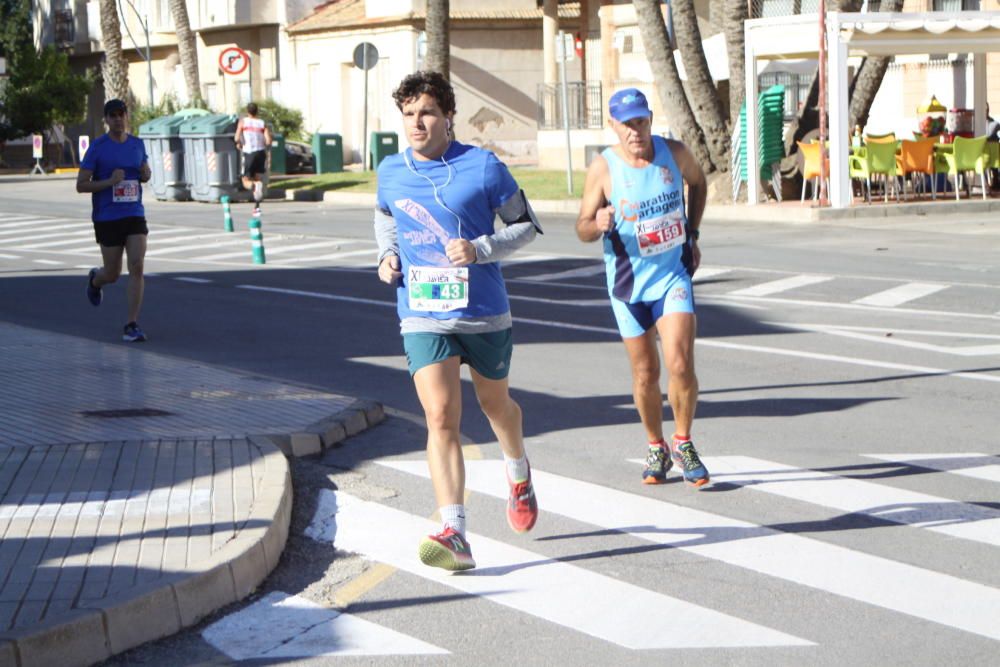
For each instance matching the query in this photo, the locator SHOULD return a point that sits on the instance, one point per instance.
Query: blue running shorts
(635, 319)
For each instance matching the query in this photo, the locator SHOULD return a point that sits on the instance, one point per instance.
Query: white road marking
(854, 361)
(900, 294)
(5, 256)
(879, 336)
(76, 238)
(827, 305)
(627, 615)
(581, 272)
(562, 302)
(967, 464)
(705, 272)
(221, 241)
(337, 255)
(188, 279)
(780, 285)
(275, 250)
(921, 510)
(49, 262)
(25, 221)
(907, 589)
(41, 233)
(289, 626)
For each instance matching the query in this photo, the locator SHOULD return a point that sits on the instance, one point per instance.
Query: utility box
(211, 159)
(381, 145)
(328, 151)
(279, 165)
(165, 148)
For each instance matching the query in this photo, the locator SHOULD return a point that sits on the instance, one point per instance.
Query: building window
(956, 5)
(243, 92)
(273, 89)
(211, 96)
(165, 18)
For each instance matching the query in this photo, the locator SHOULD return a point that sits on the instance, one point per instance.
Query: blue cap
(628, 104)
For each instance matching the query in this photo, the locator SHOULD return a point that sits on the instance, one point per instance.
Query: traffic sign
(36, 146)
(83, 145)
(234, 60)
(365, 55)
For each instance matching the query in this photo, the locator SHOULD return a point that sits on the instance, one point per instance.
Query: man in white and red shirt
(253, 137)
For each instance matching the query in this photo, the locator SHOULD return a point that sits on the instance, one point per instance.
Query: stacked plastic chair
(771, 146)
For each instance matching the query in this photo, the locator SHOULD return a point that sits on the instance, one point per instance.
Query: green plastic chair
(968, 156)
(877, 159)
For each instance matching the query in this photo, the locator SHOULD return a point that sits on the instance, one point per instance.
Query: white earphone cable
(434, 186)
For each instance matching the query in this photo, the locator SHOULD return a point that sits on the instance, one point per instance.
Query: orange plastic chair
(810, 169)
(917, 157)
(880, 138)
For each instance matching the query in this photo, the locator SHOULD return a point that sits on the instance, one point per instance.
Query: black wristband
(695, 234)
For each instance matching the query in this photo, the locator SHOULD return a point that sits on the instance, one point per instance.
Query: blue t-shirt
(434, 201)
(123, 200)
(649, 244)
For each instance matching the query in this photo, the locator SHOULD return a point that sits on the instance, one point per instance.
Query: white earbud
(447, 124)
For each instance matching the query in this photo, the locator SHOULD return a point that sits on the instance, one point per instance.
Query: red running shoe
(522, 508)
(447, 550)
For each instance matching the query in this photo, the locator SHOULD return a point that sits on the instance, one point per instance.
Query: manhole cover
(128, 412)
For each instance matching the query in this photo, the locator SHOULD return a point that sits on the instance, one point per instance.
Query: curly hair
(432, 83)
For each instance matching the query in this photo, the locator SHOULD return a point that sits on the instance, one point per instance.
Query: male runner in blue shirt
(113, 171)
(434, 222)
(633, 199)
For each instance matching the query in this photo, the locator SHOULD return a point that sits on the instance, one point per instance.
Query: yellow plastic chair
(992, 161)
(917, 157)
(969, 155)
(879, 159)
(880, 138)
(810, 168)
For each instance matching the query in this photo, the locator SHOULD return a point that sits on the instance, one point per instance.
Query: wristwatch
(695, 234)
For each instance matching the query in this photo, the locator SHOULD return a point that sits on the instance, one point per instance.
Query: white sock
(454, 516)
(517, 469)
(258, 191)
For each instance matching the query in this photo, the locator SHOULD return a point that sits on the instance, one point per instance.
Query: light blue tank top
(649, 244)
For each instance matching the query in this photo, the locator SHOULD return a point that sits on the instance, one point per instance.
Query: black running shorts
(254, 163)
(112, 233)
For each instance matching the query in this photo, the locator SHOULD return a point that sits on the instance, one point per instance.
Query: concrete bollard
(227, 216)
(257, 239)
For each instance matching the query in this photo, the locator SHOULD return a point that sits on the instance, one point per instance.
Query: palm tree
(668, 81)
(700, 88)
(187, 48)
(734, 13)
(436, 29)
(115, 67)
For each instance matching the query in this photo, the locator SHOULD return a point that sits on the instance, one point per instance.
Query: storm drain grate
(127, 412)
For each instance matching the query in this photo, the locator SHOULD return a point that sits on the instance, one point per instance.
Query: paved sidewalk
(139, 492)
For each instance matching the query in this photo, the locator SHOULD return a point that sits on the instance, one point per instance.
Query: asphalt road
(849, 372)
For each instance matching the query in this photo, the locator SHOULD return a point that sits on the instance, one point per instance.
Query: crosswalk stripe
(49, 262)
(373, 252)
(5, 256)
(187, 236)
(967, 464)
(780, 285)
(562, 302)
(615, 611)
(299, 628)
(25, 221)
(921, 510)
(705, 272)
(900, 294)
(223, 241)
(581, 272)
(892, 585)
(277, 250)
(68, 239)
(11, 236)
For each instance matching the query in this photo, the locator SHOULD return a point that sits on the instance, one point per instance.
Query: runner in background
(253, 138)
(113, 171)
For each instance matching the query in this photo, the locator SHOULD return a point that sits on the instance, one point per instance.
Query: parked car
(299, 158)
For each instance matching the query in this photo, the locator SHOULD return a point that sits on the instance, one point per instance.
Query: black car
(299, 158)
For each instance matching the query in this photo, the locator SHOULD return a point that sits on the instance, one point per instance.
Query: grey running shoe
(686, 457)
(657, 465)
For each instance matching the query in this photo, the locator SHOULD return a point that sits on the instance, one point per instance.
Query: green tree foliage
(283, 120)
(41, 89)
(167, 106)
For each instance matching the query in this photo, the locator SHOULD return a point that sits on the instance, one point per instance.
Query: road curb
(164, 607)
(326, 433)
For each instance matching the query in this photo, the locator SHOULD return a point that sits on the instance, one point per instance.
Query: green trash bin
(211, 159)
(382, 144)
(278, 163)
(328, 151)
(161, 137)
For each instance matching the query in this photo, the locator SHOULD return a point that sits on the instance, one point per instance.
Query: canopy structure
(861, 34)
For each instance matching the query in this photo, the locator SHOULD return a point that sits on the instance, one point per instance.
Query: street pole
(565, 112)
(823, 172)
(149, 60)
(364, 130)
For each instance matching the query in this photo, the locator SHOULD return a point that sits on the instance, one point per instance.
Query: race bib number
(660, 234)
(438, 290)
(125, 191)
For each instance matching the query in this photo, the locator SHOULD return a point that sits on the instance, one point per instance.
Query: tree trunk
(868, 79)
(668, 81)
(436, 29)
(700, 87)
(734, 13)
(115, 67)
(187, 48)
